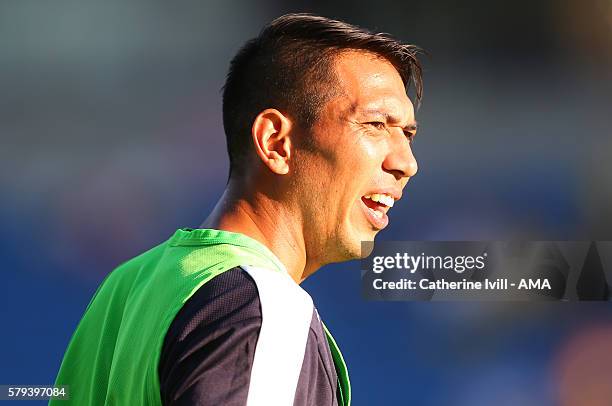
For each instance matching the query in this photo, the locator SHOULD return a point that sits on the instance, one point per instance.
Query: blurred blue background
(110, 118)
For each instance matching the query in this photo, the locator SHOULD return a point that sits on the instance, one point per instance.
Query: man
(318, 127)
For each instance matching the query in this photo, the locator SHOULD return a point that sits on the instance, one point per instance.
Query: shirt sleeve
(209, 348)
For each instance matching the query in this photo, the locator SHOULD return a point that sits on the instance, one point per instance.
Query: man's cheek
(370, 149)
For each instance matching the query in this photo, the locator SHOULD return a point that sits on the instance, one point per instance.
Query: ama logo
(534, 284)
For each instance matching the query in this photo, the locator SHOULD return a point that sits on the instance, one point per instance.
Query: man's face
(354, 163)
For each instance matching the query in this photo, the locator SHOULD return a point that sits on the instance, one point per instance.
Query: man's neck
(265, 220)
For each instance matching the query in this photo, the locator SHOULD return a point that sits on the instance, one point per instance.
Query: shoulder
(213, 339)
(243, 294)
(229, 298)
(234, 335)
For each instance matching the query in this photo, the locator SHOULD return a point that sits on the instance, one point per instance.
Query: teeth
(377, 213)
(387, 200)
(380, 198)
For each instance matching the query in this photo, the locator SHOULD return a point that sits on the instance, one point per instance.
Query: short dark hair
(288, 66)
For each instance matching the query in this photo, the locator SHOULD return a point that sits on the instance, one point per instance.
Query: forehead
(369, 82)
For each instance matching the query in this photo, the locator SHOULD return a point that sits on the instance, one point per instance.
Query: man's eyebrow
(413, 127)
(391, 119)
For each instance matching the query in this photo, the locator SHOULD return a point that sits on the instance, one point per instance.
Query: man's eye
(377, 124)
(410, 135)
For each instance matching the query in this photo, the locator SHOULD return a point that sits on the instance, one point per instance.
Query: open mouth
(376, 206)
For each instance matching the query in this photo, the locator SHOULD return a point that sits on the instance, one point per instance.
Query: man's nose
(400, 160)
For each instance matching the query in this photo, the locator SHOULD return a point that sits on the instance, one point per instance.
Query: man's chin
(364, 245)
(355, 243)
(366, 249)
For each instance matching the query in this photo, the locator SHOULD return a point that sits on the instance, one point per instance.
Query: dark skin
(311, 202)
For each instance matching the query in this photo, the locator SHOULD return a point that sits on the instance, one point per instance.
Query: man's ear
(271, 137)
